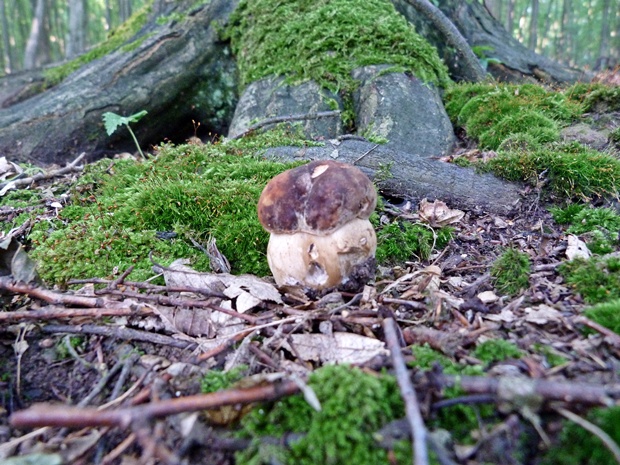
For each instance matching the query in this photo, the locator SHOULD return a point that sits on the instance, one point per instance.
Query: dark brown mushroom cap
(317, 198)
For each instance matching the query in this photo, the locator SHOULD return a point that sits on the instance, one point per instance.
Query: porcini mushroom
(317, 215)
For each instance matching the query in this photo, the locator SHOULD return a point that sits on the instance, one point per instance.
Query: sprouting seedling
(113, 121)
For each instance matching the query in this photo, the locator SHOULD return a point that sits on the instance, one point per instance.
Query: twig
(592, 428)
(412, 407)
(41, 176)
(55, 313)
(119, 332)
(365, 153)
(63, 416)
(286, 118)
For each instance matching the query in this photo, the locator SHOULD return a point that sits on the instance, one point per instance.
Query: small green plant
(215, 380)
(481, 53)
(112, 121)
(354, 405)
(606, 314)
(552, 357)
(496, 350)
(580, 447)
(402, 240)
(597, 280)
(511, 271)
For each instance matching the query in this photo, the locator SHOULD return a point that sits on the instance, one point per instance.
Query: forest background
(580, 34)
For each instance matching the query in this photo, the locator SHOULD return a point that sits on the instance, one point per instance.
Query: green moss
(606, 314)
(496, 350)
(325, 40)
(572, 171)
(459, 419)
(597, 280)
(117, 38)
(510, 272)
(614, 137)
(552, 357)
(595, 96)
(599, 226)
(215, 380)
(493, 112)
(580, 447)
(354, 405)
(402, 240)
(195, 191)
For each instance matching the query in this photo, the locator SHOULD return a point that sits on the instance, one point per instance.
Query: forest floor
(108, 347)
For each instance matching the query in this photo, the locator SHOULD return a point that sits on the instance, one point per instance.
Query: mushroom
(317, 215)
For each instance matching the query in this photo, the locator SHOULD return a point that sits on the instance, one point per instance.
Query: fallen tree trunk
(410, 177)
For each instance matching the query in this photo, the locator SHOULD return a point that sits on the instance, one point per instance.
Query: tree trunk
(533, 37)
(34, 39)
(603, 51)
(124, 10)
(6, 46)
(76, 40)
(517, 62)
(510, 16)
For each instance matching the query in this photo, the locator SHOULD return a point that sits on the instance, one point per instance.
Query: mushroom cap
(316, 198)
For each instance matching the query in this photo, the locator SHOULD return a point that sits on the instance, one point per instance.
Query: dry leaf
(542, 314)
(335, 348)
(438, 214)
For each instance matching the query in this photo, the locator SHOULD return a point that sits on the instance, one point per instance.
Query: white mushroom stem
(321, 261)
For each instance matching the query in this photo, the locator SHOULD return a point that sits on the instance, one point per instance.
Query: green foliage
(354, 405)
(196, 191)
(325, 40)
(402, 240)
(493, 112)
(595, 96)
(572, 171)
(552, 357)
(597, 280)
(112, 121)
(606, 314)
(496, 350)
(614, 137)
(215, 380)
(511, 272)
(580, 447)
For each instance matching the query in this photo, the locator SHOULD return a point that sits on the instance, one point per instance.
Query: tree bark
(533, 37)
(34, 39)
(6, 47)
(76, 40)
(603, 51)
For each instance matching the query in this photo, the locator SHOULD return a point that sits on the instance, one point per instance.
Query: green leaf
(113, 121)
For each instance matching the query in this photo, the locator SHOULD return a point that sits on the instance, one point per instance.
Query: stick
(412, 407)
(41, 176)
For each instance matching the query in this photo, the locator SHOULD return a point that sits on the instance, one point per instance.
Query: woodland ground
(451, 302)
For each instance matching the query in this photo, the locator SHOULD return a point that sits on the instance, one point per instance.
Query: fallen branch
(412, 407)
(65, 416)
(22, 182)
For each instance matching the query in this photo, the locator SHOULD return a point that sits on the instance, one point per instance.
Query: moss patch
(492, 112)
(325, 40)
(354, 405)
(597, 280)
(402, 240)
(580, 447)
(496, 350)
(606, 314)
(511, 271)
(120, 209)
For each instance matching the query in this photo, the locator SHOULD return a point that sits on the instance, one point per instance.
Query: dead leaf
(577, 248)
(542, 314)
(8, 169)
(335, 348)
(438, 214)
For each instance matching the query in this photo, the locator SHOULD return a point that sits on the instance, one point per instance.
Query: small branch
(286, 118)
(64, 416)
(611, 336)
(453, 37)
(42, 176)
(412, 407)
(62, 312)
